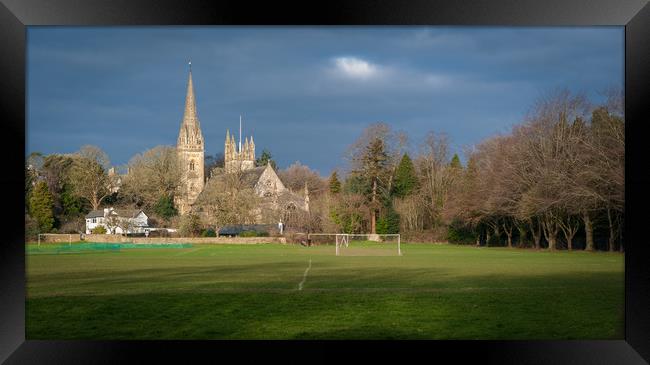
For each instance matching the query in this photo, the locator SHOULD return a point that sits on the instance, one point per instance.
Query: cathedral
(238, 158)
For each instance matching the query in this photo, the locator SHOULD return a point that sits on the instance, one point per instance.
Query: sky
(304, 93)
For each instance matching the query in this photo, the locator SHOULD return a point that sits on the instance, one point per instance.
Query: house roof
(95, 213)
(130, 213)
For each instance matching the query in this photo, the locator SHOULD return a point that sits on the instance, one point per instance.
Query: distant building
(238, 157)
(266, 184)
(116, 181)
(191, 152)
(117, 221)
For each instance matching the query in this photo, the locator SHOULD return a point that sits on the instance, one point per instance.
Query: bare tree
(126, 225)
(297, 175)
(228, 199)
(433, 162)
(351, 213)
(412, 212)
(88, 175)
(152, 175)
(112, 221)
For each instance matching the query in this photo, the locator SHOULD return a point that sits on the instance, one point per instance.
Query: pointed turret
(252, 149)
(226, 149)
(190, 131)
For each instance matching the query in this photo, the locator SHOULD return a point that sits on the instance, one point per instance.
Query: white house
(117, 221)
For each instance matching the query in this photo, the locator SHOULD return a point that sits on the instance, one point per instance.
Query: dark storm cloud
(305, 93)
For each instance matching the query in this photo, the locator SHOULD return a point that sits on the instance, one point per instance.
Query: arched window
(191, 165)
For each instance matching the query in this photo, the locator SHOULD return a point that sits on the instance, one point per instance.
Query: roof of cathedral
(287, 196)
(250, 178)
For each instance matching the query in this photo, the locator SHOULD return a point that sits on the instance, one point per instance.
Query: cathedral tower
(190, 149)
(238, 159)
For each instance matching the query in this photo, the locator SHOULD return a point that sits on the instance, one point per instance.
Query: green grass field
(271, 291)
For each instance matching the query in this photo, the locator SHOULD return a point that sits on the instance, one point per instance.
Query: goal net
(361, 244)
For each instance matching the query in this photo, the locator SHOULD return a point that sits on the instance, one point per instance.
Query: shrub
(495, 240)
(253, 234)
(190, 225)
(31, 228)
(99, 230)
(208, 233)
(460, 233)
(388, 224)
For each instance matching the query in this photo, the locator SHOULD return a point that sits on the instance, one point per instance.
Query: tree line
(60, 189)
(555, 180)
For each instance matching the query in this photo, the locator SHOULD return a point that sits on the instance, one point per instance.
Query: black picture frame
(15, 15)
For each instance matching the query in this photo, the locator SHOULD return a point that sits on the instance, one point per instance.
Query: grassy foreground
(271, 291)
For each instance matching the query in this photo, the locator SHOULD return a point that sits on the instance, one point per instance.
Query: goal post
(343, 241)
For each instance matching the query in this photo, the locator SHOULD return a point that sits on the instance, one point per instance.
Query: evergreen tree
(406, 179)
(355, 183)
(29, 181)
(264, 159)
(334, 183)
(389, 223)
(165, 207)
(71, 204)
(455, 162)
(41, 206)
(374, 162)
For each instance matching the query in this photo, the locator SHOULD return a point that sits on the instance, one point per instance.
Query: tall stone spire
(189, 116)
(190, 132)
(191, 152)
